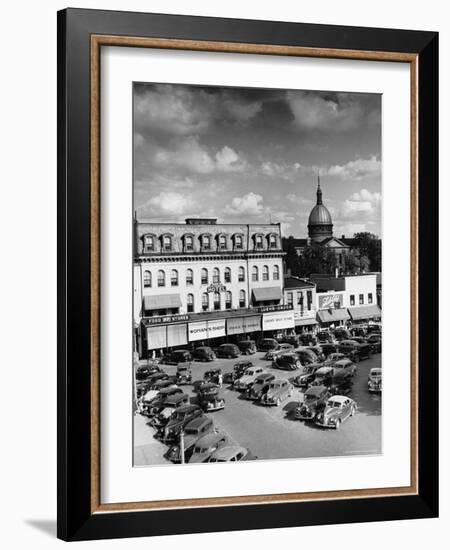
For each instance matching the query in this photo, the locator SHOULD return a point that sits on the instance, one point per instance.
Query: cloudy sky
(252, 155)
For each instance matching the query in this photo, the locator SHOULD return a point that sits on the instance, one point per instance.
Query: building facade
(206, 273)
(301, 296)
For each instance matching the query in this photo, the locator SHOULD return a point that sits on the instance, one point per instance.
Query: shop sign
(330, 301)
(165, 319)
(278, 321)
(204, 330)
(216, 287)
(279, 307)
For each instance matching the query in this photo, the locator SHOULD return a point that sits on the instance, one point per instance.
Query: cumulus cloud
(250, 204)
(362, 204)
(227, 160)
(168, 205)
(357, 170)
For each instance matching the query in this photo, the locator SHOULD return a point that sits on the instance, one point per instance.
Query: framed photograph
(248, 302)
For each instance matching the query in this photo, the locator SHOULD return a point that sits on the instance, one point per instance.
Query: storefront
(304, 324)
(333, 317)
(277, 323)
(243, 326)
(164, 304)
(364, 314)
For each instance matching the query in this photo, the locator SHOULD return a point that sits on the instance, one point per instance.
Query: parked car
(184, 374)
(359, 339)
(374, 327)
(333, 357)
(204, 353)
(306, 356)
(206, 446)
(267, 344)
(247, 347)
(293, 339)
(155, 400)
(314, 402)
(308, 339)
(238, 370)
(360, 331)
(229, 351)
(177, 356)
(357, 351)
(345, 364)
(209, 397)
(272, 354)
(341, 382)
(260, 385)
(162, 408)
(287, 361)
(212, 375)
(306, 375)
(375, 381)
(323, 376)
(193, 431)
(317, 350)
(342, 334)
(247, 378)
(337, 409)
(231, 454)
(328, 349)
(324, 336)
(144, 371)
(374, 341)
(144, 386)
(278, 391)
(179, 419)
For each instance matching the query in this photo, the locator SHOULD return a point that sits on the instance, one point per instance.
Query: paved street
(272, 432)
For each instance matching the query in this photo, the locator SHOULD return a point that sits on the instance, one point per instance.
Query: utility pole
(182, 446)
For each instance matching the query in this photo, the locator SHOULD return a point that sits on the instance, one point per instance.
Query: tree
(368, 245)
(352, 262)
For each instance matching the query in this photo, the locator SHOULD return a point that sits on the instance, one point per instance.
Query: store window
(309, 299)
(216, 301)
(147, 279)
(227, 275)
(204, 276)
(276, 272)
(228, 300)
(352, 299)
(190, 303)
(265, 273)
(161, 278)
(189, 277)
(205, 302)
(361, 299)
(216, 275)
(174, 277)
(370, 298)
(290, 299)
(242, 298)
(241, 275)
(255, 273)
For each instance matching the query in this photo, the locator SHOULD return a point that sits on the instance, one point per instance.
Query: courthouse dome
(320, 224)
(319, 215)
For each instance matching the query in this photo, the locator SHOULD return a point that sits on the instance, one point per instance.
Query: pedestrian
(220, 379)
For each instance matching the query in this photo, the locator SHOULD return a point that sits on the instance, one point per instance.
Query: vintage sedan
(228, 351)
(267, 344)
(314, 402)
(206, 446)
(374, 381)
(306, 356)
(287, 361)
(261, 384)
(193, 431)
(184, 374)
(177, 356)
(332, 358)
(247, 379)
(232, 453)
(203, 353)
(238, 370)
(209, 397)
(328, 349)
(144, 371)
(154, 400)
(324, 336)
(354, 350)
(162, 409)
(345, 364)
(278, 391)
(179, 419)
(337, 409)
(323, 376)
(341, 382)
(247, 347)
(374, 341)
(272, 354)
(306, 375)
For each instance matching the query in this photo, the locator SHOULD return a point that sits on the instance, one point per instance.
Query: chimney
(343, 237)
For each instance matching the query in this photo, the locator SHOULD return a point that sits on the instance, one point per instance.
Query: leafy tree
(368, 245)
(352, 262)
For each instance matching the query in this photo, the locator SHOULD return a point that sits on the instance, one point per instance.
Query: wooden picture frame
(81, 35)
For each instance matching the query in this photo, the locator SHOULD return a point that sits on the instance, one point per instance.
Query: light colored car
(206, 446)
(248, 378)
(337, 409)
(231, 454)
(272, 354)
(278, 391)
(346, 365)
(375, 380)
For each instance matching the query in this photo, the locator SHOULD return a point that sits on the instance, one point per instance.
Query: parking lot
(272, 432)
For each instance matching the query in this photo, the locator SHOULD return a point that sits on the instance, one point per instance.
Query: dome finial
(319, 190)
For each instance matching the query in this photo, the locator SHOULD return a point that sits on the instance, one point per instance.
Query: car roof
(188, 407)
(278, 381)
(324, 370)
(199, 421)
(227, 345)
(181, 351)
(264, 375)
(376, 369)
(177, 397)
(315, 390)
(208, 386)
(228, 451)
(342, 362)
(210, 439)
(338, 398)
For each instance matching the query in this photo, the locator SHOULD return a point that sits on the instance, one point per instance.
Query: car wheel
(338, 423)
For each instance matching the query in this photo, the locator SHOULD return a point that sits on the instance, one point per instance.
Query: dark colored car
(154, 400)
(287, 361)
(308, 339)
(260, 385)
(229, 351)
(333, 357)
(177, 356)
(144, 371)
(184, 374)
(193, 431)
(354, 349)
(342, 334)
(376, 327)
(341, 382)
(314, 402)
(164, 407)
(317, 350)
(346, 365)
(238, 370)
(324, 336)
(306, 375)
(337, 409)
(144, 386)
(374, 341)
(294, 340)
(207, 445)
(203, 353)
(213, 376)
(267, 344)
(209, 397)
(247, 347)
(306, 356)
(328, 348)
(179, 419)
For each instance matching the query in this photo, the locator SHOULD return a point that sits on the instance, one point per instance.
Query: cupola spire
(319, 191)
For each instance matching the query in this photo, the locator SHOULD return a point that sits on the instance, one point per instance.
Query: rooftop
(297, 282)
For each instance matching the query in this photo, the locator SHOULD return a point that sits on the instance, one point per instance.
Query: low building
(301, 296)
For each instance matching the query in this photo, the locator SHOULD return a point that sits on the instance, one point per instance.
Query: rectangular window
(352, 299)
(228, 302)
(205, 303)
(309, 299)
(370, 298)
(190, 308)
(290, 299)
(242, 301)
(361, 299)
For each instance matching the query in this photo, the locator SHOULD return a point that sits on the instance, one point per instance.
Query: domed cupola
(320, 224)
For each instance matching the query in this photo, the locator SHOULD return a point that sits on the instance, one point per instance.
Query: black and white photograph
(257, 274)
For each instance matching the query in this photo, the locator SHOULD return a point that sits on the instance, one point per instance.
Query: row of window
(361, 299)
(300, 299)
(216, 301)
(215, 276)
(221, 242)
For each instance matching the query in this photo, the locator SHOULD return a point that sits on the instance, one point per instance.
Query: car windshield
(191, 431)
(249, 372)
(201, 450)
(334, 404)
(275, 386)
(308, 370)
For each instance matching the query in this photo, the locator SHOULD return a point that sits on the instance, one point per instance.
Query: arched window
(227, 275)
(174, 277)
(205, 302)
(161, 278)
(258, 242)
(242, 298)
(190, 303)
(216, 300)
(189, 277)
(255, 273)
(216, 275)
(276, 272)
(273, 241)
(167, 243)
(222, 242)
(206, 242)
(149, 243)
(265, 273)
(241, 274)
(188, 243)
(228, 300)
(204, 276)
(147, 279)
(238, 242)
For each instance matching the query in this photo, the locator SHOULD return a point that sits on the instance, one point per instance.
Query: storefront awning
(163, 301)
(332, 315)
(365, 312)
(304, 322)
(267, 293)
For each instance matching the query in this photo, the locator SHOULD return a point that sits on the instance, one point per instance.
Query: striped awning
(365, 312)
(163, 301)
